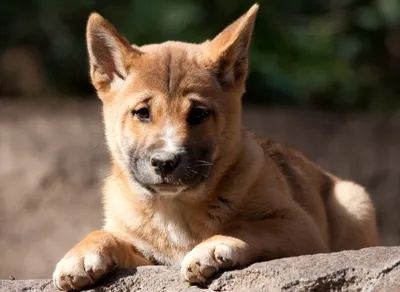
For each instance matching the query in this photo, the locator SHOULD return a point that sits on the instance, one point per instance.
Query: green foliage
(336, 54)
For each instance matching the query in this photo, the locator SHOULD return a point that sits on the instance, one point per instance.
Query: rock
(371, 269)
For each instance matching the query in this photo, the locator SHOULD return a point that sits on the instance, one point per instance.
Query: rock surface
(371, 269)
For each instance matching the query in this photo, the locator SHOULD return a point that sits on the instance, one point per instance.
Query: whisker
(203, 163)
(97, 144)
(117, 177)
(195, 172)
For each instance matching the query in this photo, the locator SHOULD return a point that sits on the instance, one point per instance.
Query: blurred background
(324, 80)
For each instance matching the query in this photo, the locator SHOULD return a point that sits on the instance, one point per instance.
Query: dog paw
(76, 271)
(206, 259)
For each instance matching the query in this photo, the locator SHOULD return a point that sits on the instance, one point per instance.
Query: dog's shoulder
(299, 172)
(278, 153)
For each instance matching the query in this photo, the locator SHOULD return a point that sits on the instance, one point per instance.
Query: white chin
(169, 191)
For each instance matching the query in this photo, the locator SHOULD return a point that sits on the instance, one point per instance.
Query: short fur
(233, 200)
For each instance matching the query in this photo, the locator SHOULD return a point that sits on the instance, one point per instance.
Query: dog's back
(342, 210)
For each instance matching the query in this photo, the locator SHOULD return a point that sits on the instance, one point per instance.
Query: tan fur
(260, 201)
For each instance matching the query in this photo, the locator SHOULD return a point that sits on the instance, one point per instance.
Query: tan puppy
(188, 187)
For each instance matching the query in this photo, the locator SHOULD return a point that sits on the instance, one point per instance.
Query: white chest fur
(161, 233)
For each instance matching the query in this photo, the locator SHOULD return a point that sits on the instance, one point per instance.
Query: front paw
(206, 259)
(78, 270)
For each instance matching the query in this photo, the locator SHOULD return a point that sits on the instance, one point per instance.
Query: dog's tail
(352, 217)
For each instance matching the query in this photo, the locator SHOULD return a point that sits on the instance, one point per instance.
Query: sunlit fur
(256, 200)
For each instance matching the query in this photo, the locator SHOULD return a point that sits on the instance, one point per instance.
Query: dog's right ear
(109, 54)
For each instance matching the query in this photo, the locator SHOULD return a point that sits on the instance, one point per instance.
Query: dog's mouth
(169, 186)
(166, 185)
(193, 169)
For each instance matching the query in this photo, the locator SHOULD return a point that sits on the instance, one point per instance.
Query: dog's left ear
(229, 49)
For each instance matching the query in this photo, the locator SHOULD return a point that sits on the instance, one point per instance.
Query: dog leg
(97, 254)
(247, 242)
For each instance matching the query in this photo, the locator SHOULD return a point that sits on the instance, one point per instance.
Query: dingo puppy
(188, 186)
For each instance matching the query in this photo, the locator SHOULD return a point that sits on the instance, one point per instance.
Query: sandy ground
(52, 159)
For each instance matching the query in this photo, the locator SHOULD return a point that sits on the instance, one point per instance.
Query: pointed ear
(109, 54)
(229, 49)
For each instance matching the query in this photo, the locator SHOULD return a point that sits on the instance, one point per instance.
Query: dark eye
(142, 114)
(198, 115)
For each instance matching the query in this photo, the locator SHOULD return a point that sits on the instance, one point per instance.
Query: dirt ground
(52, 159)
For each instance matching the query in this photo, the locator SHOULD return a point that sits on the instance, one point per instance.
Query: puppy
(188, 186)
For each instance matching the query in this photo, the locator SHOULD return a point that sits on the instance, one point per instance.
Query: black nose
(164, 162)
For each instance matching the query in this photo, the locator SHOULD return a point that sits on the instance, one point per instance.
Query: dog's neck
(199, 212)
(241, 171)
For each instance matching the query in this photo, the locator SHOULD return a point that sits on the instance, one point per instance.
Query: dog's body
(188, 185)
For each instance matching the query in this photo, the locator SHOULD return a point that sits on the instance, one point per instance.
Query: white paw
(206, 259)
(76, 271)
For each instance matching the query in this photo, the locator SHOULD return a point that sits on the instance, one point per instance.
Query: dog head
(172, 111)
